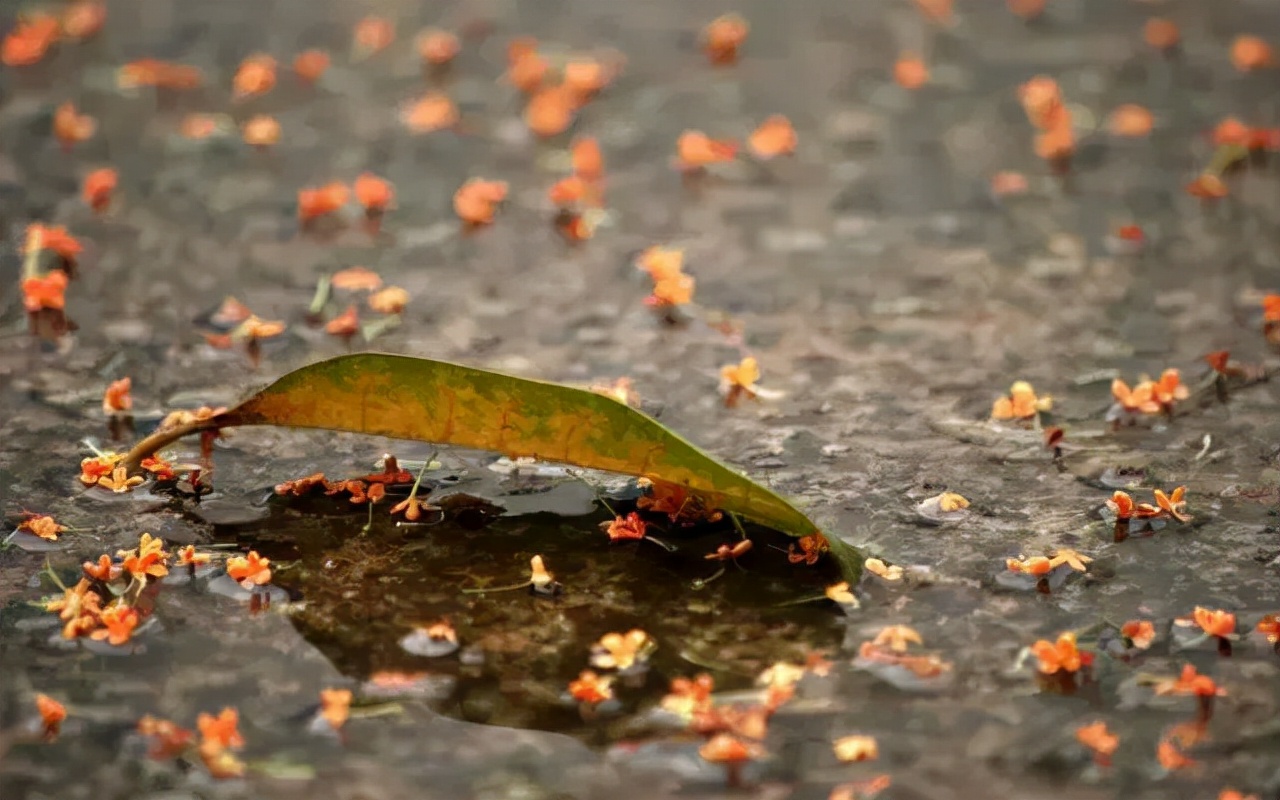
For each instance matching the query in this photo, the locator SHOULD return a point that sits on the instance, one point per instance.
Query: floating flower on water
(1269, 626)
(54, 238)
(412, 506)
(1062, 655)
(622, 651)
(116, 398)
(1021, 403)
(910, 71)
(188, 557)
(42, 525)
(318, 201)
(261, 131)
(49, 292)
(83, 19)
(623, 528)
(70, 126)
(97, 188)
(96, 467)
(220, 761)
(374, 193)
(1138, 400)
(839, 593)
(149, 559)
(550, 111)
(390, 300)
(119, 480)
(1170, 389)
(161, 74)
(118, 622)
(1171, 505)
(434, 111)
(689, 696)
(1249, 53)
(695, 151)
(335, 707)
(856, 748)
(1121, 504)
(588, 162)
(356, 279)
(1071, 558)
(872, 654)
(775, 137)
(256, 75)
(222, 729)
(249, 570)
(160, 469)
(591, 688)
(585, 77)
(436, 47)
(78, 607)
(1189, 682)
(301, 486)
(722, 37)
(372, 34)
(1006, 183)
(1161, 33)
(947, 502)
(877, 567)
(476, 201)
(811, 548)
(104, 569)
(52, 713)
(671, 286)
(1130, 120)
(1170, 757)
(167, 739)
(739, 380)
(345, 325)
(1036, 565)
(1215, 623)
(1099, 740)
(898, 638)
(1207, 186)
(542, 581)
(181, 417)
(1140, 633)
(30, 39)
(309, 65)
(1231, 131)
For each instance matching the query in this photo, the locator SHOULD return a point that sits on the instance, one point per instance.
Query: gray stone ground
(882, 287)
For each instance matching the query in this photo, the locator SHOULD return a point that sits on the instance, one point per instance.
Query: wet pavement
(888, 294)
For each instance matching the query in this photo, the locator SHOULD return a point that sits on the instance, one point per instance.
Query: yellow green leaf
(404, 397)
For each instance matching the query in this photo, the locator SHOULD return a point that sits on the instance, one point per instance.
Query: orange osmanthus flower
(1215, 623)
(188, 557)
(119, 481)
(1140, 399)
(1130, 120)
(261, 131)
(551, 110)
(1161, 33)
(30, 39)
(1249, 53)
(256, 75)
(856, 748)
(356, 279)
(811, 548)
(249, 570)
(335, 706)
(371, 35)
(1170, 757)
(309, 65)
(622, 528)
(590, 688)
(161, 74)
(223, 729)
(374, 193)
(1062, 655)
(345, 325)
(45, 292)
(695, 151)
(588, 162)
(910, 71)
(168, 740)
(97, 188)
(70, 126)
(314, 202)
(621, 651)
(118, 622)
(1036, 565)
(739, 380)
(52, 714)
(1099, 740)
(390, 300)
(775, 137)
(116, 398)
(1171, 505)
(1022, 403)
(1269, 626)
(476, 201)
(526, 68)
(434, 111)
(437, 47)
(1140, 632)
(1189, 682)
(42, 525)
(1207, 186)
(722, 38)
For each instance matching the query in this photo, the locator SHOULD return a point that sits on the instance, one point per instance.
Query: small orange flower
(161, 74)
(585, 77)
(104, 570)
(1161, 34)
(168, 740)
(1140, 399)
(695, 151)
(1271, 308)
(188, 557)
(55, 238)
(119, 481)
(1218, 361)
(83, 18)
(621, 651)
(739, 380)
(476, 201)
(147, 560)
(1171, 757)
(1041, 99)
(261, 131)
(1169, 389)
(434, 111)
(249, 570)
(856, 748)
(220, 761)
(223, 729)
(1249, 53)
(910, 71)
(1140, 632)
(1098, 739)
(775, 137)
(309, 65)
(725, 748)
(1036, 565)
(1021, 403)
(588, 162)
(30, 40)
(335, 706)
(1062, 655)
(95, 467)
(356, 279)
(198, 126)
(345, 325)
(437, 47)
(372, 34)
(551, 110)
(723, 36)
(1057, 143)
(1189, 682)
(70, 126)
(541, 580)
(1269, 626)
(46, 292)
(1215, 623)
(591, 688)
(116, 398)
(1171, 505)
(97, 188)
(568, 191)
(52, 714)
(1006, 183)
(390, 300)
(526, 69)
(687, 697)
(319, 201)
(1207, 186)
(118, 623)
(623, 528)
(1231, 132)
(1130, 120)
(897, 638)
(877, 567)
(42, 525)
(256, 75)
(1077, 561)
(374, 193)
